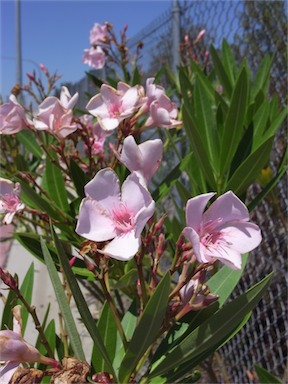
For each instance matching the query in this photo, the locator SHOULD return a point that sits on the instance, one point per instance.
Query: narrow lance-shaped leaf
(26, 290)
(211, 334)
(107, 329)
(234, 123)
(55, 184)
(249, 170)
(63, 304)
(81, 303)
(147, 328)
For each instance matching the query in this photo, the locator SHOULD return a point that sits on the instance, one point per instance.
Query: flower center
(10, 201)
(115, 109)
(123, 219)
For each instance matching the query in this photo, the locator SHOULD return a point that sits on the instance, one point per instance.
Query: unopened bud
(30, 76)
(8, 279)
(160, 248)
(44, 69)
(159, 224)
(200, 35)
(186, 39)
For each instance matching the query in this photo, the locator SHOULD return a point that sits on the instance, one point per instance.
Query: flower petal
(195, 208)
(198, 248)
(123, 247)
(241, 236)
(93, 222)
(105, 189)
(228, 207)
(131, 155)
(151, 151)
(134, 194)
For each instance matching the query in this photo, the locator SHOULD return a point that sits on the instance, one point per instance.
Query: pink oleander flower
(94, 57)
(112, 106)
(98, 134)
(98, 34)
(199, 36)
(12, 117)
(143, 159)
(15, 350)
(163, 113)
(106, 214)
(194, 296)
(10, 203)
(56, 115)
(153, 92)
(222, 232)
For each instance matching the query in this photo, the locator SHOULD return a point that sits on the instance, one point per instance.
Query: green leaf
(204, 119)
(50, 333)
(198, 147)
(43, 324)
(249, 170)
(55, 184)
(81, 303)
(26, 290)
(265, 377)
(63, 304)
(129, 323)
(282, 169)
(7, 317)
(108, 330)
(228, 61)
(34, 200)
(212, 333)
(220, 71)
(128, 279)
(136, 77)
(234, 123)
(95, 80)
(224, 281)
(27, 138)
(31, 242)
(204, 80)
(78, 177)
(262, 77)
(147, 328)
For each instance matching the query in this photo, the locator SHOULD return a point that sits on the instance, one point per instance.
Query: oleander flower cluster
(129, 195)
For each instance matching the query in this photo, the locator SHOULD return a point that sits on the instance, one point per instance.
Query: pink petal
(97, 107)
(241, 236)
(195, 208)
(105, 189)
(131, 155)
(94, 222)
(109, 124)
(110, 95)
(134, 194)
(6, 186)
(151, 151)
(130, 99)
(198, 248)
(229, 257)
(228, 207)
(7, 371)
(123, 247)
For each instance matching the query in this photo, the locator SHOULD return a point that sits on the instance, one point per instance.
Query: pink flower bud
(8, 279)
(30, 76)
(44, 69)
(200, 36)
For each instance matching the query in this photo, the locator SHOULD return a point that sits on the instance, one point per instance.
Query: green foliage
(229, 120)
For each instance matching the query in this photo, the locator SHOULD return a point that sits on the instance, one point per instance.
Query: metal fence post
(175, 35)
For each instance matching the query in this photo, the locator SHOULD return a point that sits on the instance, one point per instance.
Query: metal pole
(175, 35)
(18, 44)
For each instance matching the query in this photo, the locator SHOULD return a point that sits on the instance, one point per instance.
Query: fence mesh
(253, 28)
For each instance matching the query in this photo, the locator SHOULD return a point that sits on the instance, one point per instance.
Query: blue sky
(55, 33)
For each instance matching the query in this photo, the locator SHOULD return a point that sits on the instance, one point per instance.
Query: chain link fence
(253, 28)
